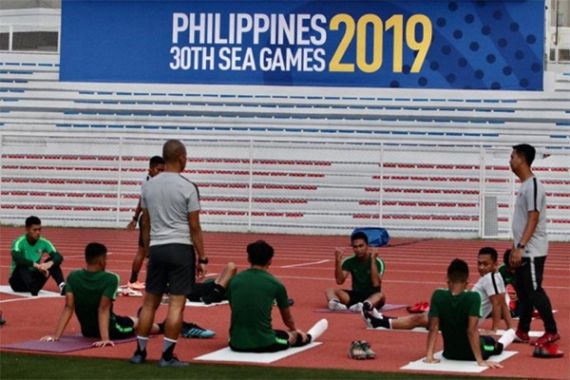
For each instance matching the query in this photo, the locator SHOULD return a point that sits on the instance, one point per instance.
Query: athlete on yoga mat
(251, 294)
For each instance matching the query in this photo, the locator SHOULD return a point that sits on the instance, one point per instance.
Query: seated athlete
(251, 294)
(90, 293)
(456, 312)
(213, 290)
(366, 270)
(34, 260)
(490, 288)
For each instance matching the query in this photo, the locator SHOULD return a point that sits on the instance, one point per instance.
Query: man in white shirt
(530, 247)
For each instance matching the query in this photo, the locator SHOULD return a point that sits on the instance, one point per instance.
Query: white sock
(507, 338)
(318, 329)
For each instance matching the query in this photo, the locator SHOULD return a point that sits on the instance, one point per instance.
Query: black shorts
(281, 343)
(357, 296)
(199, 290)
(171, 269)
(121, 327)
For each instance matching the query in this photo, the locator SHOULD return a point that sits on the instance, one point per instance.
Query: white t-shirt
(531, 197)
(489, 285)
(169, 198)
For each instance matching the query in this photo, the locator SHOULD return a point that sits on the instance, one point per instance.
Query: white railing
(293, 184)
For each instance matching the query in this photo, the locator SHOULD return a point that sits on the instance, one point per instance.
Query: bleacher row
(277, 159)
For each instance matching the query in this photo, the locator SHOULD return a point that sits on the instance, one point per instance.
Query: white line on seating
(305, 264)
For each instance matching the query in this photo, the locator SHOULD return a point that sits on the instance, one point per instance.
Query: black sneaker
(173, 363)
(139, 357)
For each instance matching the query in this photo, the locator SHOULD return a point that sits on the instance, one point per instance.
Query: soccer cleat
(547, 337)
(137, 285)
(356, 351)
(521, 337)
(356, 308)
(548, 350)
(318, 329)
(172, 363)
(192, 330)
(335, 305)
(366, 347)
(138, 357)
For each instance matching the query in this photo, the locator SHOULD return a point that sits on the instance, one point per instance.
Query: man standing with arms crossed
(530, 247)
(172, 234)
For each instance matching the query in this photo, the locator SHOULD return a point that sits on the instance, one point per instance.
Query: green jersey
(26, 254)
(251, 294)
(508, 276)
(360, 271)
(453, 312)
(87, 289)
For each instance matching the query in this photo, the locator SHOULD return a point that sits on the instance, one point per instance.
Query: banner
(463, 44)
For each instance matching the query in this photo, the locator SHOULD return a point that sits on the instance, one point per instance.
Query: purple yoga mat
(64, 344)
(385, 308)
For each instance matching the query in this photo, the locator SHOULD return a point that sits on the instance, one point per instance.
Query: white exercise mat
(227, 355)
(6, 289)
(446, 365)
(202, 304)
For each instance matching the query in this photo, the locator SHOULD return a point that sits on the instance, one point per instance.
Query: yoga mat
(385, 308)
(227, 355)
(64, 344)
(202, 304)
(6, 289)
(532, 334)
(461, 366)
(414, 330)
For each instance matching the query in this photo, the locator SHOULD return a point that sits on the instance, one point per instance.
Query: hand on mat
(103, 343)
(490, 364)
(431, 360)
(48, 338)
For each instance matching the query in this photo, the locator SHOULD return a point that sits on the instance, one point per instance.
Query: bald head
(174, 153)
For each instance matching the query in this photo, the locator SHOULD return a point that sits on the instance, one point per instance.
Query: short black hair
(32, 220)
(359, 235)
(507, 257)
(259, 253)
(489, 251)
(458, 271)
(155, 161)
(527, 151)
(94, 251)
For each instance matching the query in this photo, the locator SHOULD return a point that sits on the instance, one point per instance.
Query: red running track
(305, 265)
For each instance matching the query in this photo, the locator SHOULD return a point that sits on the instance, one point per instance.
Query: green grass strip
(24, 366)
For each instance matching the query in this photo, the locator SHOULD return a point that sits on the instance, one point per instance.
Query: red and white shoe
(420, 307)
(546, 338)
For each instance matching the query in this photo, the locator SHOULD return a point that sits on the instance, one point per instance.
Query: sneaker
(372, 310)
(137, 285)
(374, 319)
(521, 337)
(173, 363)
(356, 351)
(128, 292)
(318, 329)
(356, 308)
(366, 347)
(139, 357)
(335, 305)
(420, 307)
(546, 338)
(62, 288)
(549, 350)
(192, 330)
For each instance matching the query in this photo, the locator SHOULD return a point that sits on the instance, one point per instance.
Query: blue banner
(462, 44)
